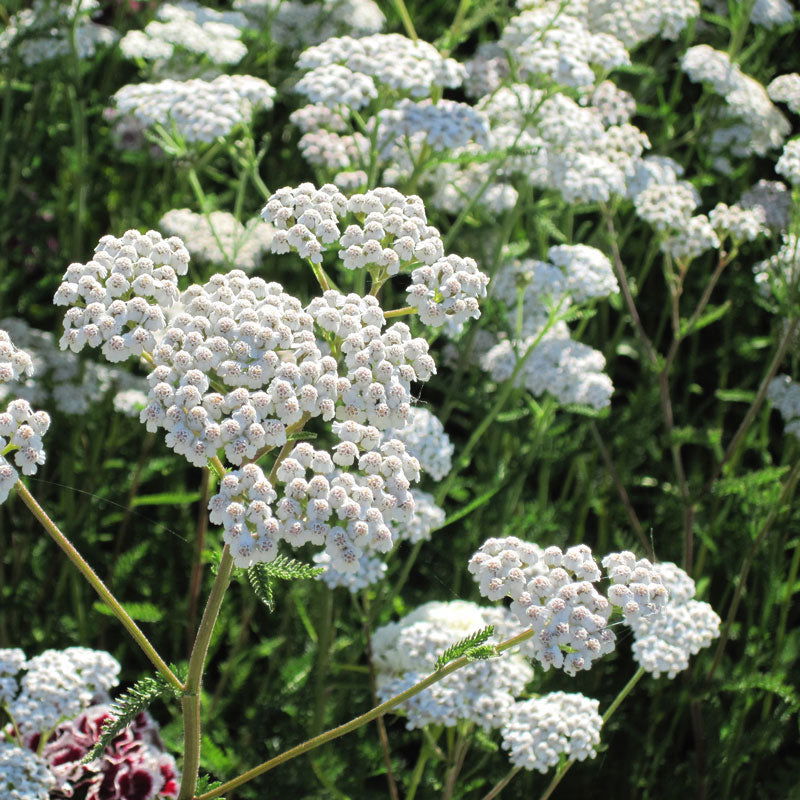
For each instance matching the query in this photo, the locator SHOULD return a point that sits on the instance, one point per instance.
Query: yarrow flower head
(554, 593)
(383, 59)
(21, 428)
(23, 774)
(425, 438)
(540, 731)
(482, 692)
(197, 110)
(664, 642)
(58, 684)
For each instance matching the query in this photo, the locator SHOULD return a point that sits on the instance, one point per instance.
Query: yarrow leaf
(472, 647)
(127, 707)
(262, 576)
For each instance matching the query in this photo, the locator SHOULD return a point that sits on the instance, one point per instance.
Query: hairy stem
(97, 584)
(191, 697)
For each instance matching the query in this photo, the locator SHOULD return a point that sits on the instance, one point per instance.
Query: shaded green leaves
(472, 647)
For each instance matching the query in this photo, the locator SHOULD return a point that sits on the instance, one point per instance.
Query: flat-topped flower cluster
(237, 365)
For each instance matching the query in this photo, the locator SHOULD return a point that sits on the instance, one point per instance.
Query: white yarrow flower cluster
(117, 300)
(570, 371)
(49, 29)
(664, 642)
(786, 89)
(541, 731)
(23, 774)
(773, 198)
(391, 60)
(482, 692)
(219, 238)
(426, 518)
(197, 110)
(554, 43)
(323, 503)
(761, 126)
(789, 163)
(187, 29)
(389, 231)
(53, 686)
(447, 290)
(554, 593)
(741, 224)
(425, 438)
(21, 428)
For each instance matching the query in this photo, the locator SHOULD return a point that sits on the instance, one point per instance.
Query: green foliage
(127, 707)
(263, 576)
(472, 647)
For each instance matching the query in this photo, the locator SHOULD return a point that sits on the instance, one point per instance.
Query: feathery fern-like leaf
(473, 647)
(283, 568)
(127, 707)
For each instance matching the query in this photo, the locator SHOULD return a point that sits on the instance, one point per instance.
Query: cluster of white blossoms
(187, 29)
(447, 290)
(334, 151)
(554, 593)
(23, 774)
(570, 371)
(668, 208)
(564, 146)
(741, 224)
(550, 41)
(49, 29)
(482, 692)
(293, 23)
(371, 570)
(786, 89)
(758, 125)
(771, 198)
(61, 381)
(425, 438)
(540, 731)
(218, 238)
(784, 394)
(768, 13)
(237, 365)
(40, 692)
(322, 502)
(390, 232)
(390, 60)
(664, 642)
(117, 300)
(424, 520)
(442, 126)
(789, 163)
(778, 274)
(616, 106)
(21, 428)
(197, 110)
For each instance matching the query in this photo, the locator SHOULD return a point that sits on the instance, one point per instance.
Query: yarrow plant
(368, 300)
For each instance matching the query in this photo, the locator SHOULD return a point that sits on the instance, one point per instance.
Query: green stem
(191, 696)
(564, 768)
(501, 784)
(97, 584)
(405, 17)
(401, 312)
(357, 722)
